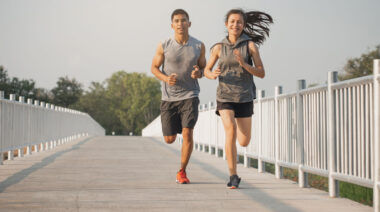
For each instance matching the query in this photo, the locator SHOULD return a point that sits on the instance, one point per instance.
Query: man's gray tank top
(235, 83)
(180, 59)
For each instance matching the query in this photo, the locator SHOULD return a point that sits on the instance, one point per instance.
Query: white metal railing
(39, 126)
(330, 130)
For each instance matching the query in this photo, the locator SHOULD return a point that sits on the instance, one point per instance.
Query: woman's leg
(228, 119)
(244, 127)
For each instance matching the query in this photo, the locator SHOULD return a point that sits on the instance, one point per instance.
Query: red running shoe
(182, 178)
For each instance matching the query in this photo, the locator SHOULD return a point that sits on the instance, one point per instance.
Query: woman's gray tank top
(180, 59)
(235, 83)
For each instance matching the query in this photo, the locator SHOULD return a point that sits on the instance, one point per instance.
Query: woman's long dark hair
(256, 24)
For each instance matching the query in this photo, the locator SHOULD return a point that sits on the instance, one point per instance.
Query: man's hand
(172, 79)
(196, 73)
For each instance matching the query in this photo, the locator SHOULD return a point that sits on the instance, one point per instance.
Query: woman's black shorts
(241, 110)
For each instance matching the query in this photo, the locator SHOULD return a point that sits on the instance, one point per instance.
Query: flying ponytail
(256, 24)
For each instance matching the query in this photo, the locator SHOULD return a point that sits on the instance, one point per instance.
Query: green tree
(14, 85)
(42, 95)
(97, 105)
(4, 80)
(135, 99)
(67, 92)
(23, 87)
(361, 66)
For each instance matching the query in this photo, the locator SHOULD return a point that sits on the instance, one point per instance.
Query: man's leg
(187, 146)
(170, 139)
(170, 121)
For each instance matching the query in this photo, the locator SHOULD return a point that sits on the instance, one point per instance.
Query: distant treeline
(127, 102)
(123, 103)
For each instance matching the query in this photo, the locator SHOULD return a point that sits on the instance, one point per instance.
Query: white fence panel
(331, 130)
(44, 125)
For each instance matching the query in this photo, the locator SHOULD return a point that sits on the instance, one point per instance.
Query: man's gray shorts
(178, 114)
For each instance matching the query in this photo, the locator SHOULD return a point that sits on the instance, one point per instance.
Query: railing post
(211, 126)
(376, 136)
(1, 129)
(53, 142)
(47, 143)
(29, 147)
(204, 143)
(224, 149)
(278, 168)
(42, 145)
(333, 184)
(20, 152)
(197, 144)
(247, 161)
(216, 134)
(224, 146)
(12, 97)
(260, 163)
(36, 103)
(302, 176)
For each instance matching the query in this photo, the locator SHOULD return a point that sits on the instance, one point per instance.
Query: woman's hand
(215, 74)
(238, 57)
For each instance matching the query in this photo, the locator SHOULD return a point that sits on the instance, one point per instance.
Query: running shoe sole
(180, 182)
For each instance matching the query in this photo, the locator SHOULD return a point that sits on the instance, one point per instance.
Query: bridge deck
(138, 174)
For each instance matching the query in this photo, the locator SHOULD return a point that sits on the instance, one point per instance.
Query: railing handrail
(330, 130)
(40, 125)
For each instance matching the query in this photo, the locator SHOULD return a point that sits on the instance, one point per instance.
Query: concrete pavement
(138, 174)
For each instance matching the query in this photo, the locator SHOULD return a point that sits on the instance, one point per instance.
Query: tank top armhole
(213, 46)
(165, 44)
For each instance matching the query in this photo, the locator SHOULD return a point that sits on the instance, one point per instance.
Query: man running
(182, 59)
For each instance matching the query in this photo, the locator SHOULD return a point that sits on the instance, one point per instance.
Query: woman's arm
(258, 70)
(213, 58)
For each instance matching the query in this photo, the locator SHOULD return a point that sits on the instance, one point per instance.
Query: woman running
(235, 70)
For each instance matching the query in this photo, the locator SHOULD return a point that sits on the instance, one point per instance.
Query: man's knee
(187, 134)
(170, 139)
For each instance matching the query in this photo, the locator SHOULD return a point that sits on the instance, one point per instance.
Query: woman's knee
(230, 128)
(244, 141)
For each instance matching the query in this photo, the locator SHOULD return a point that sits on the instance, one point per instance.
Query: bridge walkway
(138, 174)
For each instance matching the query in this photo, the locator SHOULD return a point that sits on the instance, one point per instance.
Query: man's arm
(202, 58)
(158, 59)
(198, 69)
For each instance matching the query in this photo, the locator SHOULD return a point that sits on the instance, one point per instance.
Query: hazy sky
(91, 39)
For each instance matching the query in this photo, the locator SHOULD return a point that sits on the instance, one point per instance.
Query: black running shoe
(234, 182)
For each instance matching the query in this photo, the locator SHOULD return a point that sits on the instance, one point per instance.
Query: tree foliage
(124, 103)
(97, 105)
(67, 92)
(135, 99)
(361, 66)
(21, 87)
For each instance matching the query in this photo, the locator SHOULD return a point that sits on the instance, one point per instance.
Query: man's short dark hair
(180, 12)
